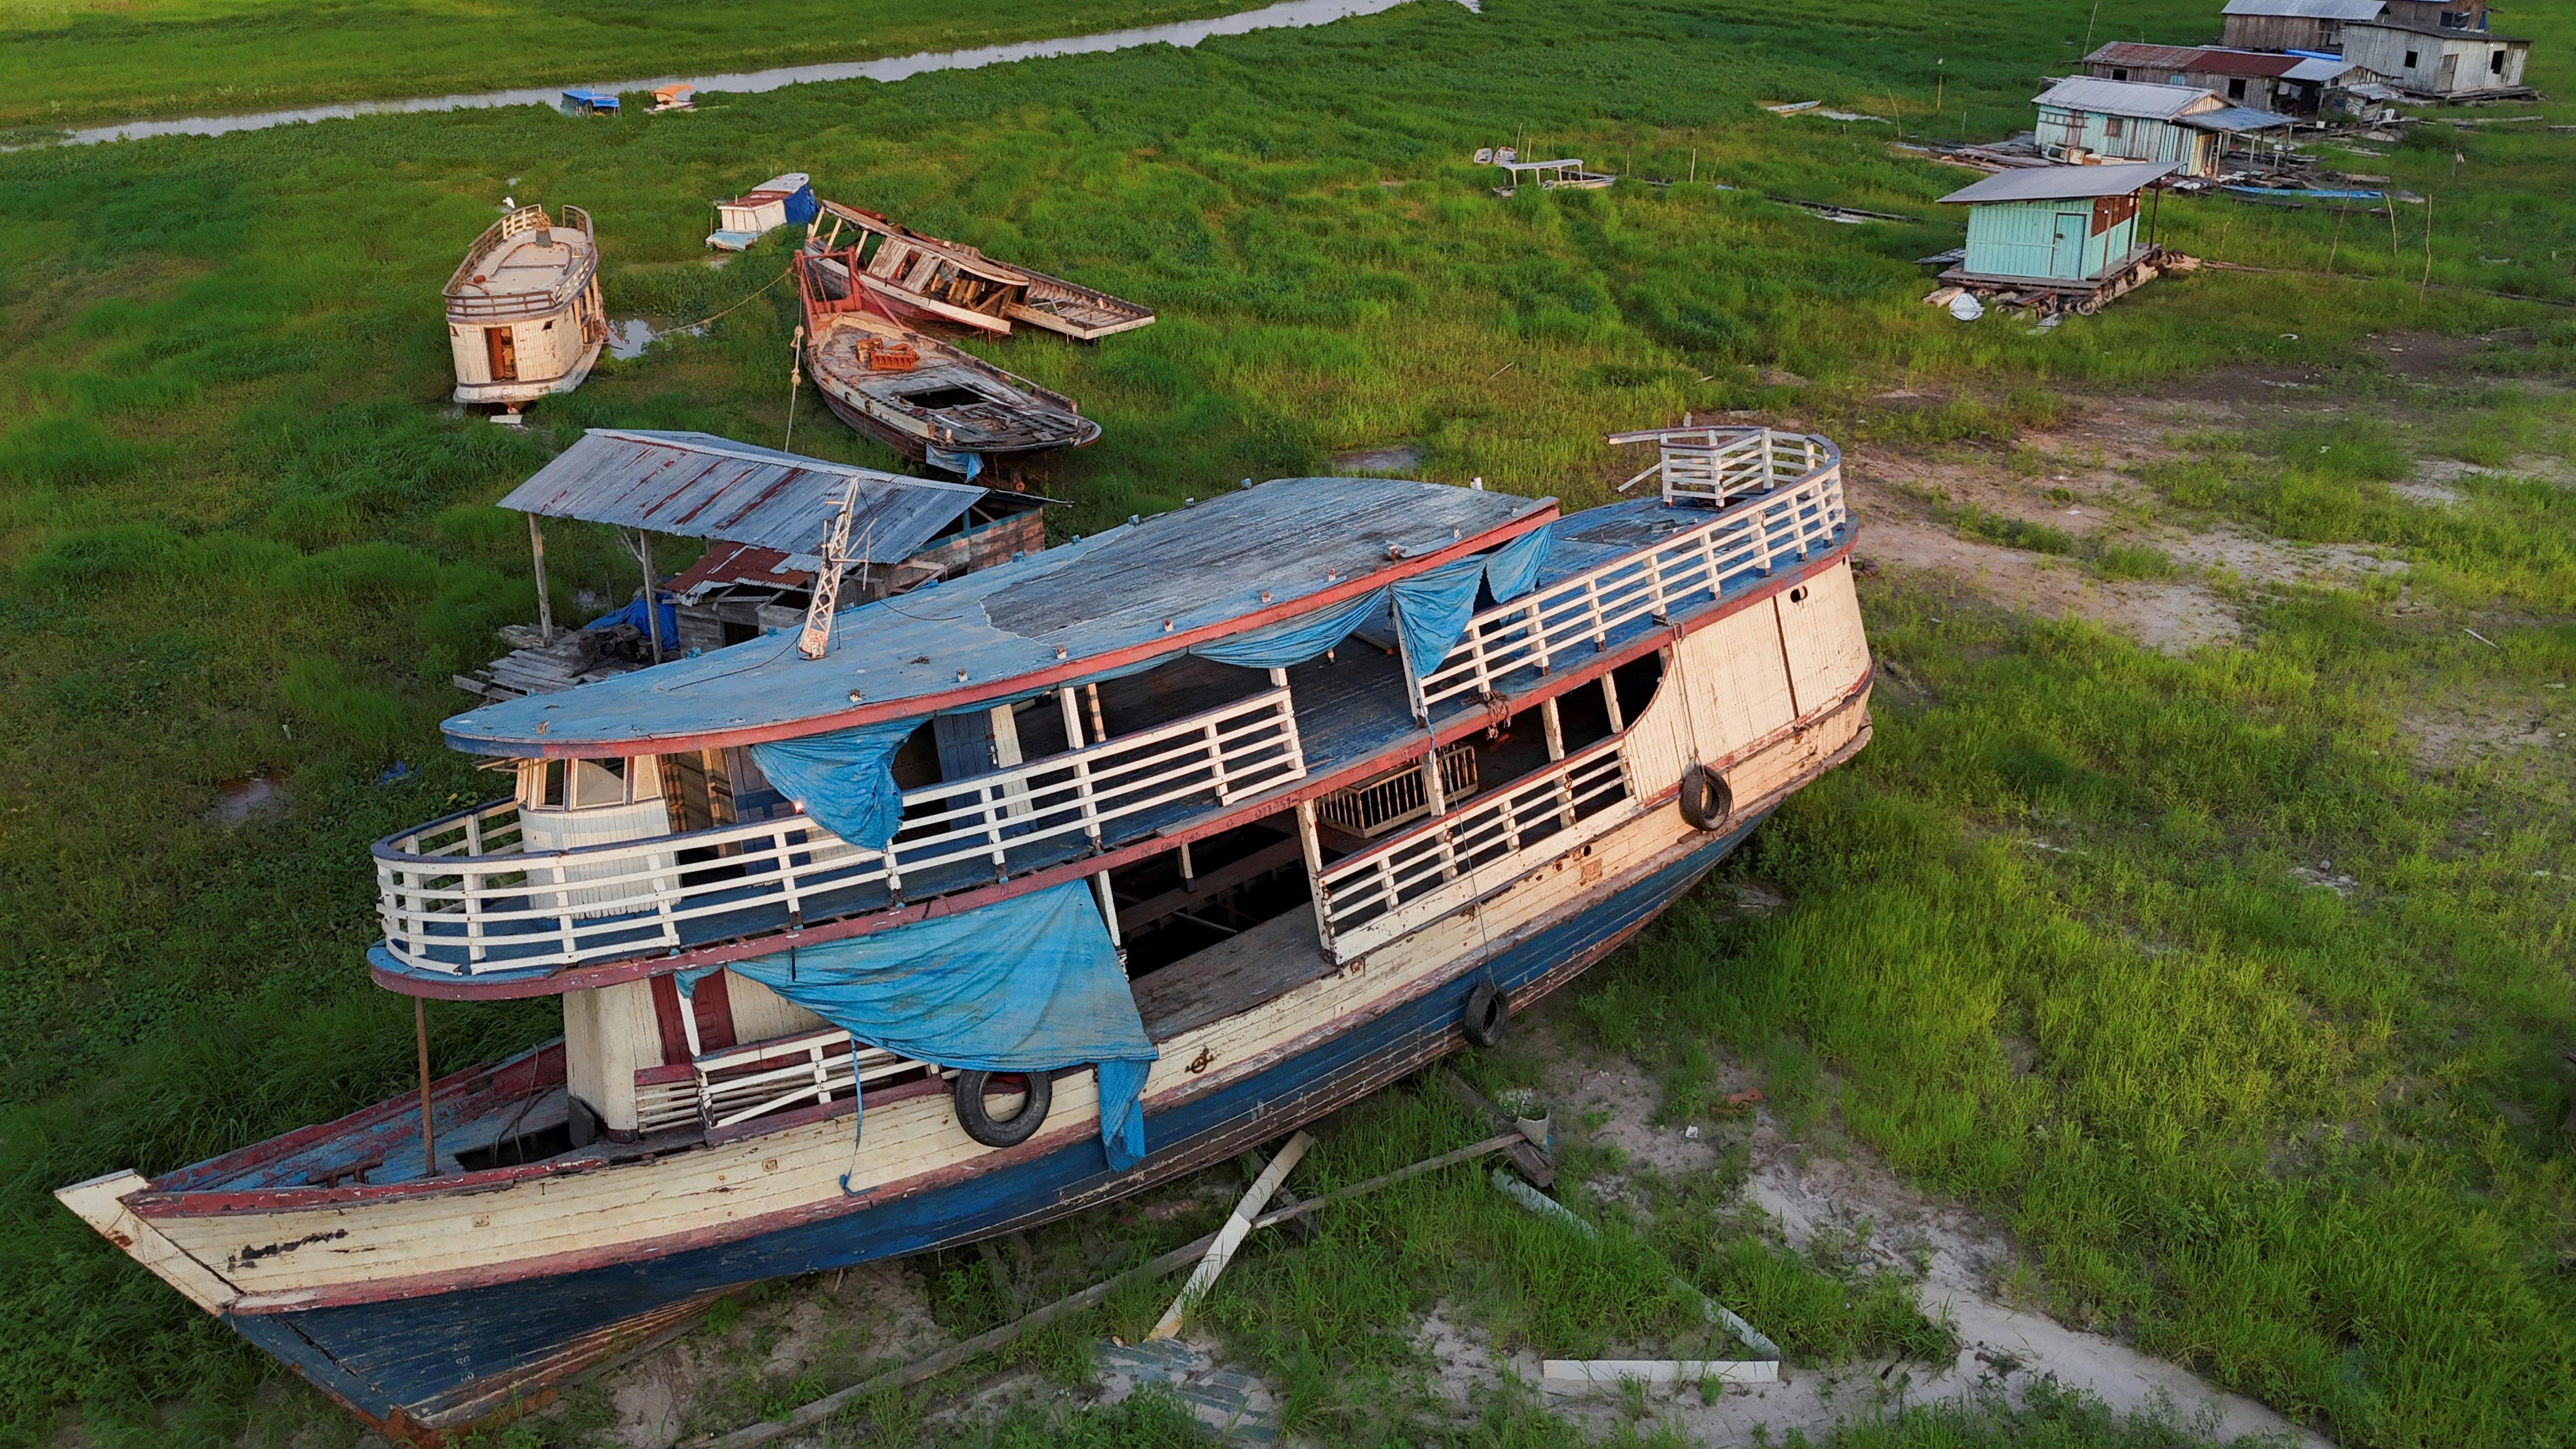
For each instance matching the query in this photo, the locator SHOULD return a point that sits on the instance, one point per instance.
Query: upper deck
(1143, 591)
(1191, 746)
(524, 266)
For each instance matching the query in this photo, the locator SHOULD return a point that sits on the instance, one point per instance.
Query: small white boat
(523, 311)
(782, 200)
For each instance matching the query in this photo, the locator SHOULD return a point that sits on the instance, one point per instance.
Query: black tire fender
(1011, 1131)
(1487, 1010)
(1706, 802)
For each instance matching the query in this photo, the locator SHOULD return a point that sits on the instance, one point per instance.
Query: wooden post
(1099, 730)
(1610, 700)
(1555, 728)
(545, 608)
(652, 607)
(428, 1127)
(1109, 912)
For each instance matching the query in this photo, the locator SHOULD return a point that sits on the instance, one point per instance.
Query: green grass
(110, 60)
(239, 532)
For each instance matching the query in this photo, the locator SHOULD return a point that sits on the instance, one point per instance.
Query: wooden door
(2066, 250)
(2448, 74)
(501, 350)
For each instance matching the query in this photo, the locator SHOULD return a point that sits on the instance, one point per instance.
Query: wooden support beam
(1171, 903)
(1533, 1165)
(428, 1122)
(545, 607)
(1231, 1236)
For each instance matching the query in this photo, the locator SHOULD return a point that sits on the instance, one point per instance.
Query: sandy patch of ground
(1964, 1264)
(2173, 616)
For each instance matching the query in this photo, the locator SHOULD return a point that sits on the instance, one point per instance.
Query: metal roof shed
(2058, 224)
(697, 485)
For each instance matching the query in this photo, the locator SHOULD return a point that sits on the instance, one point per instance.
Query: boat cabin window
(587, 784)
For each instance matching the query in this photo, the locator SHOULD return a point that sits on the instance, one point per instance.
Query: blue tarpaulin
(844, 778)
(1030, 984)
(1293, 641)
(801, 205)
(1432, 610)
(633, 614)
(1512, 570)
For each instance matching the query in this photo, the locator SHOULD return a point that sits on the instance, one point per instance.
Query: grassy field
(2307, 1143)
(109, 60)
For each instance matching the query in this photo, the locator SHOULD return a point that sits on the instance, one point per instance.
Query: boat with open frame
(1305, 866)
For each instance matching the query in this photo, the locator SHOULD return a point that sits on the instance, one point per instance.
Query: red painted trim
(713, 1002)
(667, 1023)
(1469, 723)
(1011, 686)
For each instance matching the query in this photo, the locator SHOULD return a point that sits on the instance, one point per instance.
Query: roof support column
(537, 555)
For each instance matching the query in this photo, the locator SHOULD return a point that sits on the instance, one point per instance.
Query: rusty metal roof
(697, 485)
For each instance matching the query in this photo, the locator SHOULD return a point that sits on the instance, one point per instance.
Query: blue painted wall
(2023, 239)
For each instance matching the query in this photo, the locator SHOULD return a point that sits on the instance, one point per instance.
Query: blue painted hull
(437, 1360)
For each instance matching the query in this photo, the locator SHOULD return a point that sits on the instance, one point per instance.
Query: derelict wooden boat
(523, 312)
(924, 398)
(922, 279)
(1305, 880)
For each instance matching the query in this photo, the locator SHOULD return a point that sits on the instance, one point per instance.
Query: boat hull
(419, 1366)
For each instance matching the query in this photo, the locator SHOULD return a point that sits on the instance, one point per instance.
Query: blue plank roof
(1128, 594)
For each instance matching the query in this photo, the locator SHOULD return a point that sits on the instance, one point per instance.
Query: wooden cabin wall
(760, 1013)
(609, 1034)
(989, 544)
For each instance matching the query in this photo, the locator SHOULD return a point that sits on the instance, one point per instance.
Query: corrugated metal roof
(2138, 53)
(2122, 98)
(697, 485)
(2266, 63)
(2308, 9)
(1233, 562)
(2063, 183)
(2234, 118)
(2312, 69)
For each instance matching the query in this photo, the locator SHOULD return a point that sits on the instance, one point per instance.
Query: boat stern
(100, 1202)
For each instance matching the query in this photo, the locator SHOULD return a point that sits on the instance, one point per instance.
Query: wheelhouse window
(587, 784)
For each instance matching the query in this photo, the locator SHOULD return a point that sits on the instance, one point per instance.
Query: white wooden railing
(470, 306)
(459, 894)
(1370, 898)
(736, 1084)
(1756, 531)
(1723, 465)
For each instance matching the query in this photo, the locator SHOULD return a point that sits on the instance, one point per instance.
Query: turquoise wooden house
(2083, 119)
(2072, 227)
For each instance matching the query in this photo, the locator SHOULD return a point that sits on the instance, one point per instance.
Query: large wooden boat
(1309, 867)
(924, 280)
(523, 311)
(927, 400)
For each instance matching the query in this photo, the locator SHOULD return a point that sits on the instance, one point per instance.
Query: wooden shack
(2294, 24)
(2440, 62)
(2083, 119)
(763, 515)
(2062, 235)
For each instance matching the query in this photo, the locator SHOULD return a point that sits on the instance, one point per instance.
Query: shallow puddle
(237, 800)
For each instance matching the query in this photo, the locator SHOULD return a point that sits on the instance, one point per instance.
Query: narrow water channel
(894, 68)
